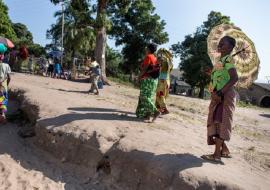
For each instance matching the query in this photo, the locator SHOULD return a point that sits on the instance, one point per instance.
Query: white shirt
(4, 71)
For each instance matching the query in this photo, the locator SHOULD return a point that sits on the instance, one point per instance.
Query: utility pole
(62, 40)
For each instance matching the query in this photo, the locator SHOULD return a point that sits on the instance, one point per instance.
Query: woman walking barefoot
(220, 117)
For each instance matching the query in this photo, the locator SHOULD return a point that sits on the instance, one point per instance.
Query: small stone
(63, 160)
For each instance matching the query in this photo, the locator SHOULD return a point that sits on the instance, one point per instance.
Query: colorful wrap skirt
(3, 100)
(146, 105)
(220, 117)
(162, 94)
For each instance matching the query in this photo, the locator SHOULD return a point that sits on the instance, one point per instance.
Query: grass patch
(252, 134)
(243, 104)
(121, 81)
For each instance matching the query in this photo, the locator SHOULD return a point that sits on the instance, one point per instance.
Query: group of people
(53, 68)
(50, 67)
(155, 81)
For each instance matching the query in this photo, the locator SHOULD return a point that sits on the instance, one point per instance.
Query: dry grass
(260, 160)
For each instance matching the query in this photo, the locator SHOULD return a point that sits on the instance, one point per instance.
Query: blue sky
(182, 18)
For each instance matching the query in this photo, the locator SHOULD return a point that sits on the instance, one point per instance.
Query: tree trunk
(100, 51)
(101, 38)
(201, 93)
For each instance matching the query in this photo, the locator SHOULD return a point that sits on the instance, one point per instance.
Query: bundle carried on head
(165, 56)
(3, 48)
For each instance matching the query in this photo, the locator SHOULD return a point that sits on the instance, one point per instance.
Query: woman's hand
(215, 97)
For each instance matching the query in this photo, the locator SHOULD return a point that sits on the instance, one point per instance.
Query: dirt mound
(101, 134)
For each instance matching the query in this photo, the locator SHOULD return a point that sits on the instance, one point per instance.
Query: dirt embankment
(116, 151)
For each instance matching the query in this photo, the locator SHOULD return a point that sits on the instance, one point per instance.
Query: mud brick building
(258, 94)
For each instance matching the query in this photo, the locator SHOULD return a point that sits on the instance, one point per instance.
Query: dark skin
(144, 69)
(224, 48)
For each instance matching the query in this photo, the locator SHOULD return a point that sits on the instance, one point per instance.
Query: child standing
(94, 77)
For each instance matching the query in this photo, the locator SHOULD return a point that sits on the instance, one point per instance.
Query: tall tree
(6, 29)
(114, 61)
(114, 13)
(194, 59)
(100, 28)
(134, 25)
(23, 34)
(101, 35)
(79, 32)
(36, 50)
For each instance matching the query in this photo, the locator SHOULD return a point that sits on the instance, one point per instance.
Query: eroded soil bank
(101, 139)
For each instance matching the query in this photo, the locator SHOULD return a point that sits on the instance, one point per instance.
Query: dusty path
(174, 143)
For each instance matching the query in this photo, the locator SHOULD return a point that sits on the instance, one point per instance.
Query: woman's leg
(225, 150)
(146, 105)
(96, 84)
(218, 147)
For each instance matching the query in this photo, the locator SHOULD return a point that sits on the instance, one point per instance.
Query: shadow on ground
(84, 113)
(89, 109)
(122, 164)
(74, 91)
(265, 115)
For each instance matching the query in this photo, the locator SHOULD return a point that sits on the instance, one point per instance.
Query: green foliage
(243, 104)
(131, 23)
(134, 25)
(79, 35)
(18, 32)
(114, 62)
(193, 52)
(36, 50)
(6, 29)
(24, 36)
(122, 79)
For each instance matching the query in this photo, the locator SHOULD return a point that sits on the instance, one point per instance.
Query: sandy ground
(66, 106)
(23, 166)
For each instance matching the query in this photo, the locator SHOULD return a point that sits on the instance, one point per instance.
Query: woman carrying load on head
(148, 84)
(164, 58)
(223, 78)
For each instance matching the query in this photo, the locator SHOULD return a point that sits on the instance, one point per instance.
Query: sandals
(226, 155)
(212, 158)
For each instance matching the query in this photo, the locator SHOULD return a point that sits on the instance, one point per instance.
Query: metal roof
(266, 86)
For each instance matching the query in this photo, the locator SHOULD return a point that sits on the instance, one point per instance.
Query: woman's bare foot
(225, 152)
(147, 119)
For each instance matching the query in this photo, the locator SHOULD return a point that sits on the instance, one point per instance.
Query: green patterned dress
(146, 105)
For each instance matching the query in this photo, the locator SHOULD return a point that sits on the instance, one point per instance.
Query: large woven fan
(165, 55)
(244, 54)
